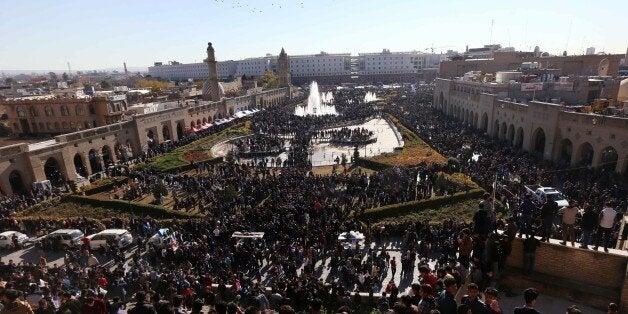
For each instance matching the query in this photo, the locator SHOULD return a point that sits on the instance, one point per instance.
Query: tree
(159, 190)
(52, 75)
(343, 160)
(65, 77)
(104, 84)
(269, 80)
(356, 154)
(9, 81)
(153, 85)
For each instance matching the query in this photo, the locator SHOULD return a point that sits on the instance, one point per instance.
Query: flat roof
(41, 145)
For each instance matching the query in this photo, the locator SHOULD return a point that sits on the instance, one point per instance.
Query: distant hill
(120, 69)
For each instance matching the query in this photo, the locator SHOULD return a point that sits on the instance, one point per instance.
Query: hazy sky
(39, 35)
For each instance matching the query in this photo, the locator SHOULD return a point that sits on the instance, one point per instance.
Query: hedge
(371, 164)
(399, 209)
(133, 207)
(105, 185)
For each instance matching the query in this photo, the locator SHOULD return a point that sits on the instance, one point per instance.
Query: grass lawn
(461, 211)
(414, 152)
(197, 151)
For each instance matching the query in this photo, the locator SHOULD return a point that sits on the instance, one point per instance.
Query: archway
(79, 166)
(94, 161)
(538, 141)
(165, 132)
(584, 156)
(565, 151)
(502, 131)
(519, 138)
(198, 122)
(511, 134)
(106, 156)
(475, 120)
(53, 172)
(16, 182)
(192, 125)
(179, 131)
(608, 158)
(496, 128)
(484, 122)
(204, 120)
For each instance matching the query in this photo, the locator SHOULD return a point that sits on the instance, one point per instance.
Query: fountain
(370, 96)
(318, 104)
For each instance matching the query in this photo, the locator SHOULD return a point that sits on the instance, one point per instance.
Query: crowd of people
(203, 265)
(347, 135)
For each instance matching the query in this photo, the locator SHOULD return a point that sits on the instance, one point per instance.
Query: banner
(530, 87)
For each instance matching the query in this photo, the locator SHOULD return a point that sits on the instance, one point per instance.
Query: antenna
(568, 35)
(125, 71)
(490, 41)
(69, 69)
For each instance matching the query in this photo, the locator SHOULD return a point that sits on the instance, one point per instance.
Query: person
(44, 307)
(481, 220)
(491, 301)
(472, 299)
(606, 221)
(573, 310)
(447, 298)
(588, 222)
(427, 302)
(529, 253)
(69, 304)
(548, 211)
(569, 221)
(427, 277)
(529, 295)
(12, 304)
(612, 308)
(526, 212)
(141, 305)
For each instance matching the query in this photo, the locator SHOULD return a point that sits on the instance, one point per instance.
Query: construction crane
(432, 48)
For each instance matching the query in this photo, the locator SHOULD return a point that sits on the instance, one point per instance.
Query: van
(6, 239)
(121, 237)
(62, 238)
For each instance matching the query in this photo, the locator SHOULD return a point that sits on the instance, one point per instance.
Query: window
(20, 111)
(33, 111)
(79, 110)
(64, 111)
(49, 111)
(92, 110)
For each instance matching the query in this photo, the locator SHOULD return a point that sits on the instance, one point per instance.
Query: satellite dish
(602, 69)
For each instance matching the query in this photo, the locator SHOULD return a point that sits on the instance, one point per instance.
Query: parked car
(62, 238)
(540, 193)
(6, 239)
(121, 237)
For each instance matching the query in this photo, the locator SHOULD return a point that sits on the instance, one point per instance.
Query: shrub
(105, 185)
(132, 207)
(400, 209)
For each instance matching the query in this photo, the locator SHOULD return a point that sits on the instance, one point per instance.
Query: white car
(6, 239)
(121, 237)
(68, 237)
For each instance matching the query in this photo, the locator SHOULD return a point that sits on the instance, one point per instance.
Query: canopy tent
(247, 235)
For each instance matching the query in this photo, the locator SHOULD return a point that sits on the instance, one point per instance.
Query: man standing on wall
(606, 221)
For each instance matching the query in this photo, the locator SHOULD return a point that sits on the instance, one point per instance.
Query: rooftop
(42, 145)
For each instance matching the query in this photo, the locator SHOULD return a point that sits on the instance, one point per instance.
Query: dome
(622, 95)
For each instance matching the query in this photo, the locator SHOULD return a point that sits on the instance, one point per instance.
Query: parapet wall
(582, 270)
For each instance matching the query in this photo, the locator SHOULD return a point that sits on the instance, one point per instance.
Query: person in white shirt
(569, 221)
(606, 220)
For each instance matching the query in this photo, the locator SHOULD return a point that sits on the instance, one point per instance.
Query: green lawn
(459, 211)
(197, 151)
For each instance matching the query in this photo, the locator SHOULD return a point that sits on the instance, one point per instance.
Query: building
(585, 65)
(83, 151)
(547, 129)
(590, 51)
(56, 114)
(326, 68)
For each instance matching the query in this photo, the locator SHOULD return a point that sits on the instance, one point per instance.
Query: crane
(432, 48)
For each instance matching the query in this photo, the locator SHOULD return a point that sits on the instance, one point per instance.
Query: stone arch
(94, 161)
(198, 122)
(511, 134)
(129, 148)
(502, 131)
(484, 122)
(107, 157)
(519, 137)
(53, 172)
(17, 183)
(204, 120)
(565, 151)
(179, 131)
(496, 129)
(608, 158)
(537, 145)
(584, 155)
(79, 166)
(192, 125)
(165, 132)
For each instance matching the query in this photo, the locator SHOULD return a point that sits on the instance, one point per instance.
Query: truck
(540, 193)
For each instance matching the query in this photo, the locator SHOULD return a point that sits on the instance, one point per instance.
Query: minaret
(283, 66)
(213, 73)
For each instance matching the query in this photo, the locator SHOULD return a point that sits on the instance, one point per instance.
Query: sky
(45, 35)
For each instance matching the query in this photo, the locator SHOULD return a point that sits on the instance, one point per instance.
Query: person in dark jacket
(481, 221)
(142, 306)
(548, 212)
(587, 224)
(526, 211)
